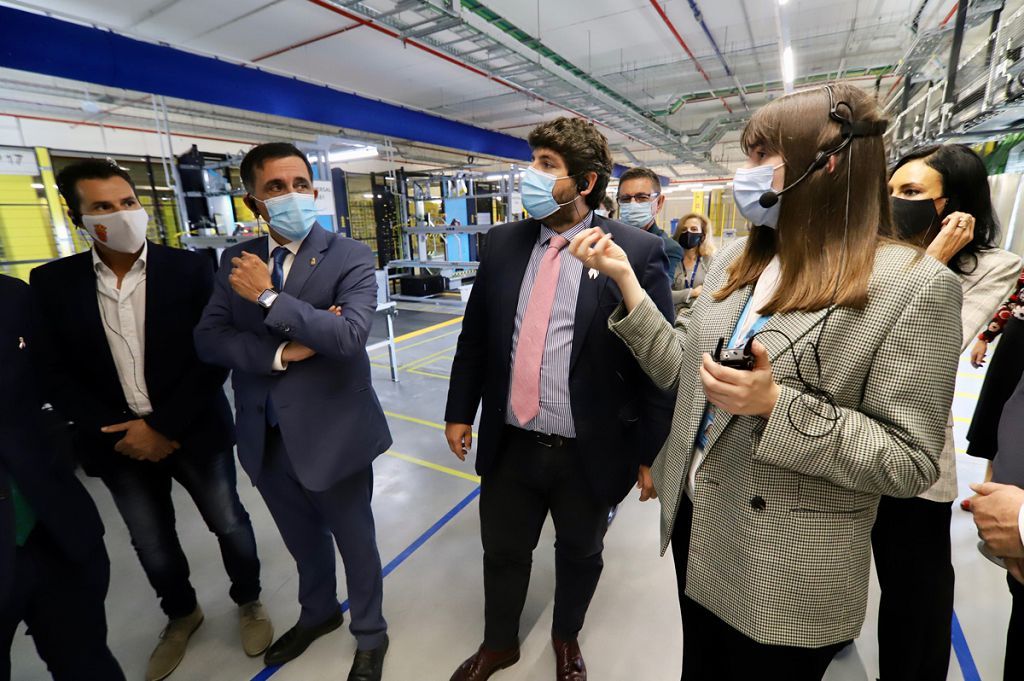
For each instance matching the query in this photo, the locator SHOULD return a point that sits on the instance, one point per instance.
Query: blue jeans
(142, 492)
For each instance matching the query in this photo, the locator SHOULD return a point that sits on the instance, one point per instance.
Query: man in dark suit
(115, 331)
(290, 316)
(640, 199)
(54, 570)
(569, 421)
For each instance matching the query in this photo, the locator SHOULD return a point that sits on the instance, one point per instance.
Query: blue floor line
(267, 672)
(963, 653)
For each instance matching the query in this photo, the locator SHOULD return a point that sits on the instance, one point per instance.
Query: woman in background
(694, 235)
(941, 203)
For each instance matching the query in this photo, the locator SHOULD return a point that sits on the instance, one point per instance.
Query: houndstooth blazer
(780, 540)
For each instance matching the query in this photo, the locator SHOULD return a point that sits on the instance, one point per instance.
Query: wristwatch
(267, 298)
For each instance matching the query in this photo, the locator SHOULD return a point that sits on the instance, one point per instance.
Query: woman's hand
(978, 353)
(596, 250)
(696, 291)
(645, 483)
(957, 231)
(741, 393)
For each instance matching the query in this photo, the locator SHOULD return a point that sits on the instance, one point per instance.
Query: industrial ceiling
(669, 81)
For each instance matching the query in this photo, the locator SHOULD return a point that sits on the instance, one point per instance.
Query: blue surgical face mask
(747, 188)
(537, 190)
(292, 215)
(636, 214)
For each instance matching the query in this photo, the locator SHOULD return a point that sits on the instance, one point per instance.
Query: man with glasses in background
(640, 200)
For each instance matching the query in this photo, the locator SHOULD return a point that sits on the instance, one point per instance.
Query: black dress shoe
(369, 664)
(295, 641)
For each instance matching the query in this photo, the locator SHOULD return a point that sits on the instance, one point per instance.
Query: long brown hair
(817, 267)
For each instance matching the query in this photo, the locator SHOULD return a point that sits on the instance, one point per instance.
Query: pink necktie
(532, 334)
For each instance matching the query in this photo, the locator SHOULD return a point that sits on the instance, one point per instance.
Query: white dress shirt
(123, 314)
(286, 267)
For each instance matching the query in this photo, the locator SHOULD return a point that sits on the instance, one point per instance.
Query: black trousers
(911, 546)
(531, 480)
(63, 605)
(715, 651)
(1013, 669)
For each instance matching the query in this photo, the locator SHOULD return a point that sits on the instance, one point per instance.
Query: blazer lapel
(156, 306)
(306, 261)
(515, 261)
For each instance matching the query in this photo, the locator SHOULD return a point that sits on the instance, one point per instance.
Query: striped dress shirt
(555, 417)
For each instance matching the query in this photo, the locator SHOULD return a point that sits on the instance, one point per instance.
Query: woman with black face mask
(698, 252)
(940, 202)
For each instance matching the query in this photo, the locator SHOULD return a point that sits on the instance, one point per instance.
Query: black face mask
(692, 240)
(913, 218)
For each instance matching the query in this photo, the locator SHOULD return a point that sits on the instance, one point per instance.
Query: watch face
(267, 298)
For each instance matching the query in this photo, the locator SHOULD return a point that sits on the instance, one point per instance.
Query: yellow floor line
(434, 466)
(421, 422)
(428, 329)
(969, 374)
(966, 396)
(430, 374)
(427, 359)
(410, 346)
(961, 419)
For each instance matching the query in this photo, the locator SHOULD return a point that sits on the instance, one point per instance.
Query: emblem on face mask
(101, 233)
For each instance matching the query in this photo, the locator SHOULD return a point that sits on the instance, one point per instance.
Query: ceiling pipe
(369, 23)
(309, 41)
(686, 48)
(699, 17)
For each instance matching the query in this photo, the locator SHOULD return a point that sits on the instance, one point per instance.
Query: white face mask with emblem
(123, 231)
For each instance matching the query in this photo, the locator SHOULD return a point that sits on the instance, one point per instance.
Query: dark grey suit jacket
(1008, 466)
(330, 418)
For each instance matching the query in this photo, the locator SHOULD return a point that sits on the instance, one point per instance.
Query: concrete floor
(428, 529)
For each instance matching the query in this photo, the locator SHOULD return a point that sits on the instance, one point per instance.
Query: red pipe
(303, 43)
(686, 48)
(451, 60)
(956, 6)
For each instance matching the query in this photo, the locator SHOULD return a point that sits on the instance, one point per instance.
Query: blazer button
(758, 504)
(259, 409)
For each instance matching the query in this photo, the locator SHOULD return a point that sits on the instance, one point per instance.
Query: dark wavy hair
(584, 149)
(965, 186)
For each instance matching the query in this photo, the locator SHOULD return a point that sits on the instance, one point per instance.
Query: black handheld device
(741, 358)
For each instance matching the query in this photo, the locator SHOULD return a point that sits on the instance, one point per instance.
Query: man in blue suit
(54, 569)
(290, 315)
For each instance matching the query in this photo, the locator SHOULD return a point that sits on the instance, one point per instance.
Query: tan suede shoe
(173, 641)
(256, 629)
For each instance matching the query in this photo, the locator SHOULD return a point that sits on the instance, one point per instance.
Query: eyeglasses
(639, 198)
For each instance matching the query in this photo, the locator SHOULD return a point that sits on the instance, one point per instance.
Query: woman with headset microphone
(771, 475)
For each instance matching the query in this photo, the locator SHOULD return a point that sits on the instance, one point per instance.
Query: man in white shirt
(116, 343)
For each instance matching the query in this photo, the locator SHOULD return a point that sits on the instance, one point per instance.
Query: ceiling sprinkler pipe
(699, 17)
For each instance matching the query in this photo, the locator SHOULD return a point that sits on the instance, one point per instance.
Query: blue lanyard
(757, 326)
(693, 275)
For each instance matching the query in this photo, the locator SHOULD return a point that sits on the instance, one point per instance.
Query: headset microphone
(770, 197)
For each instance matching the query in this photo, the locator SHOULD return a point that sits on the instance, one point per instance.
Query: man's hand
(141, 442)
(460, 438)
(249, 276)
(645, 483)
(295, 352)
(996, 510)
(741, 393)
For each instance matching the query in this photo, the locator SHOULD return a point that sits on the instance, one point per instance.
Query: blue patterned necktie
(277, 281)
(277, 276)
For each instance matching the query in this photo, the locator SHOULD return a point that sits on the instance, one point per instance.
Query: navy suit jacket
(189, 405)
(46, 479)
(621, 418)
(331, 421)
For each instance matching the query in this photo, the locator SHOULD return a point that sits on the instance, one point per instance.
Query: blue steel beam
(41, 44)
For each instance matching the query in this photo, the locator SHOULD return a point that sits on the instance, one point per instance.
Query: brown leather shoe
(482, 665)
(569, 665)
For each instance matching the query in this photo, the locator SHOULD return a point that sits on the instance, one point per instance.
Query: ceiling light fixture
(355, 154)
(788, 66)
